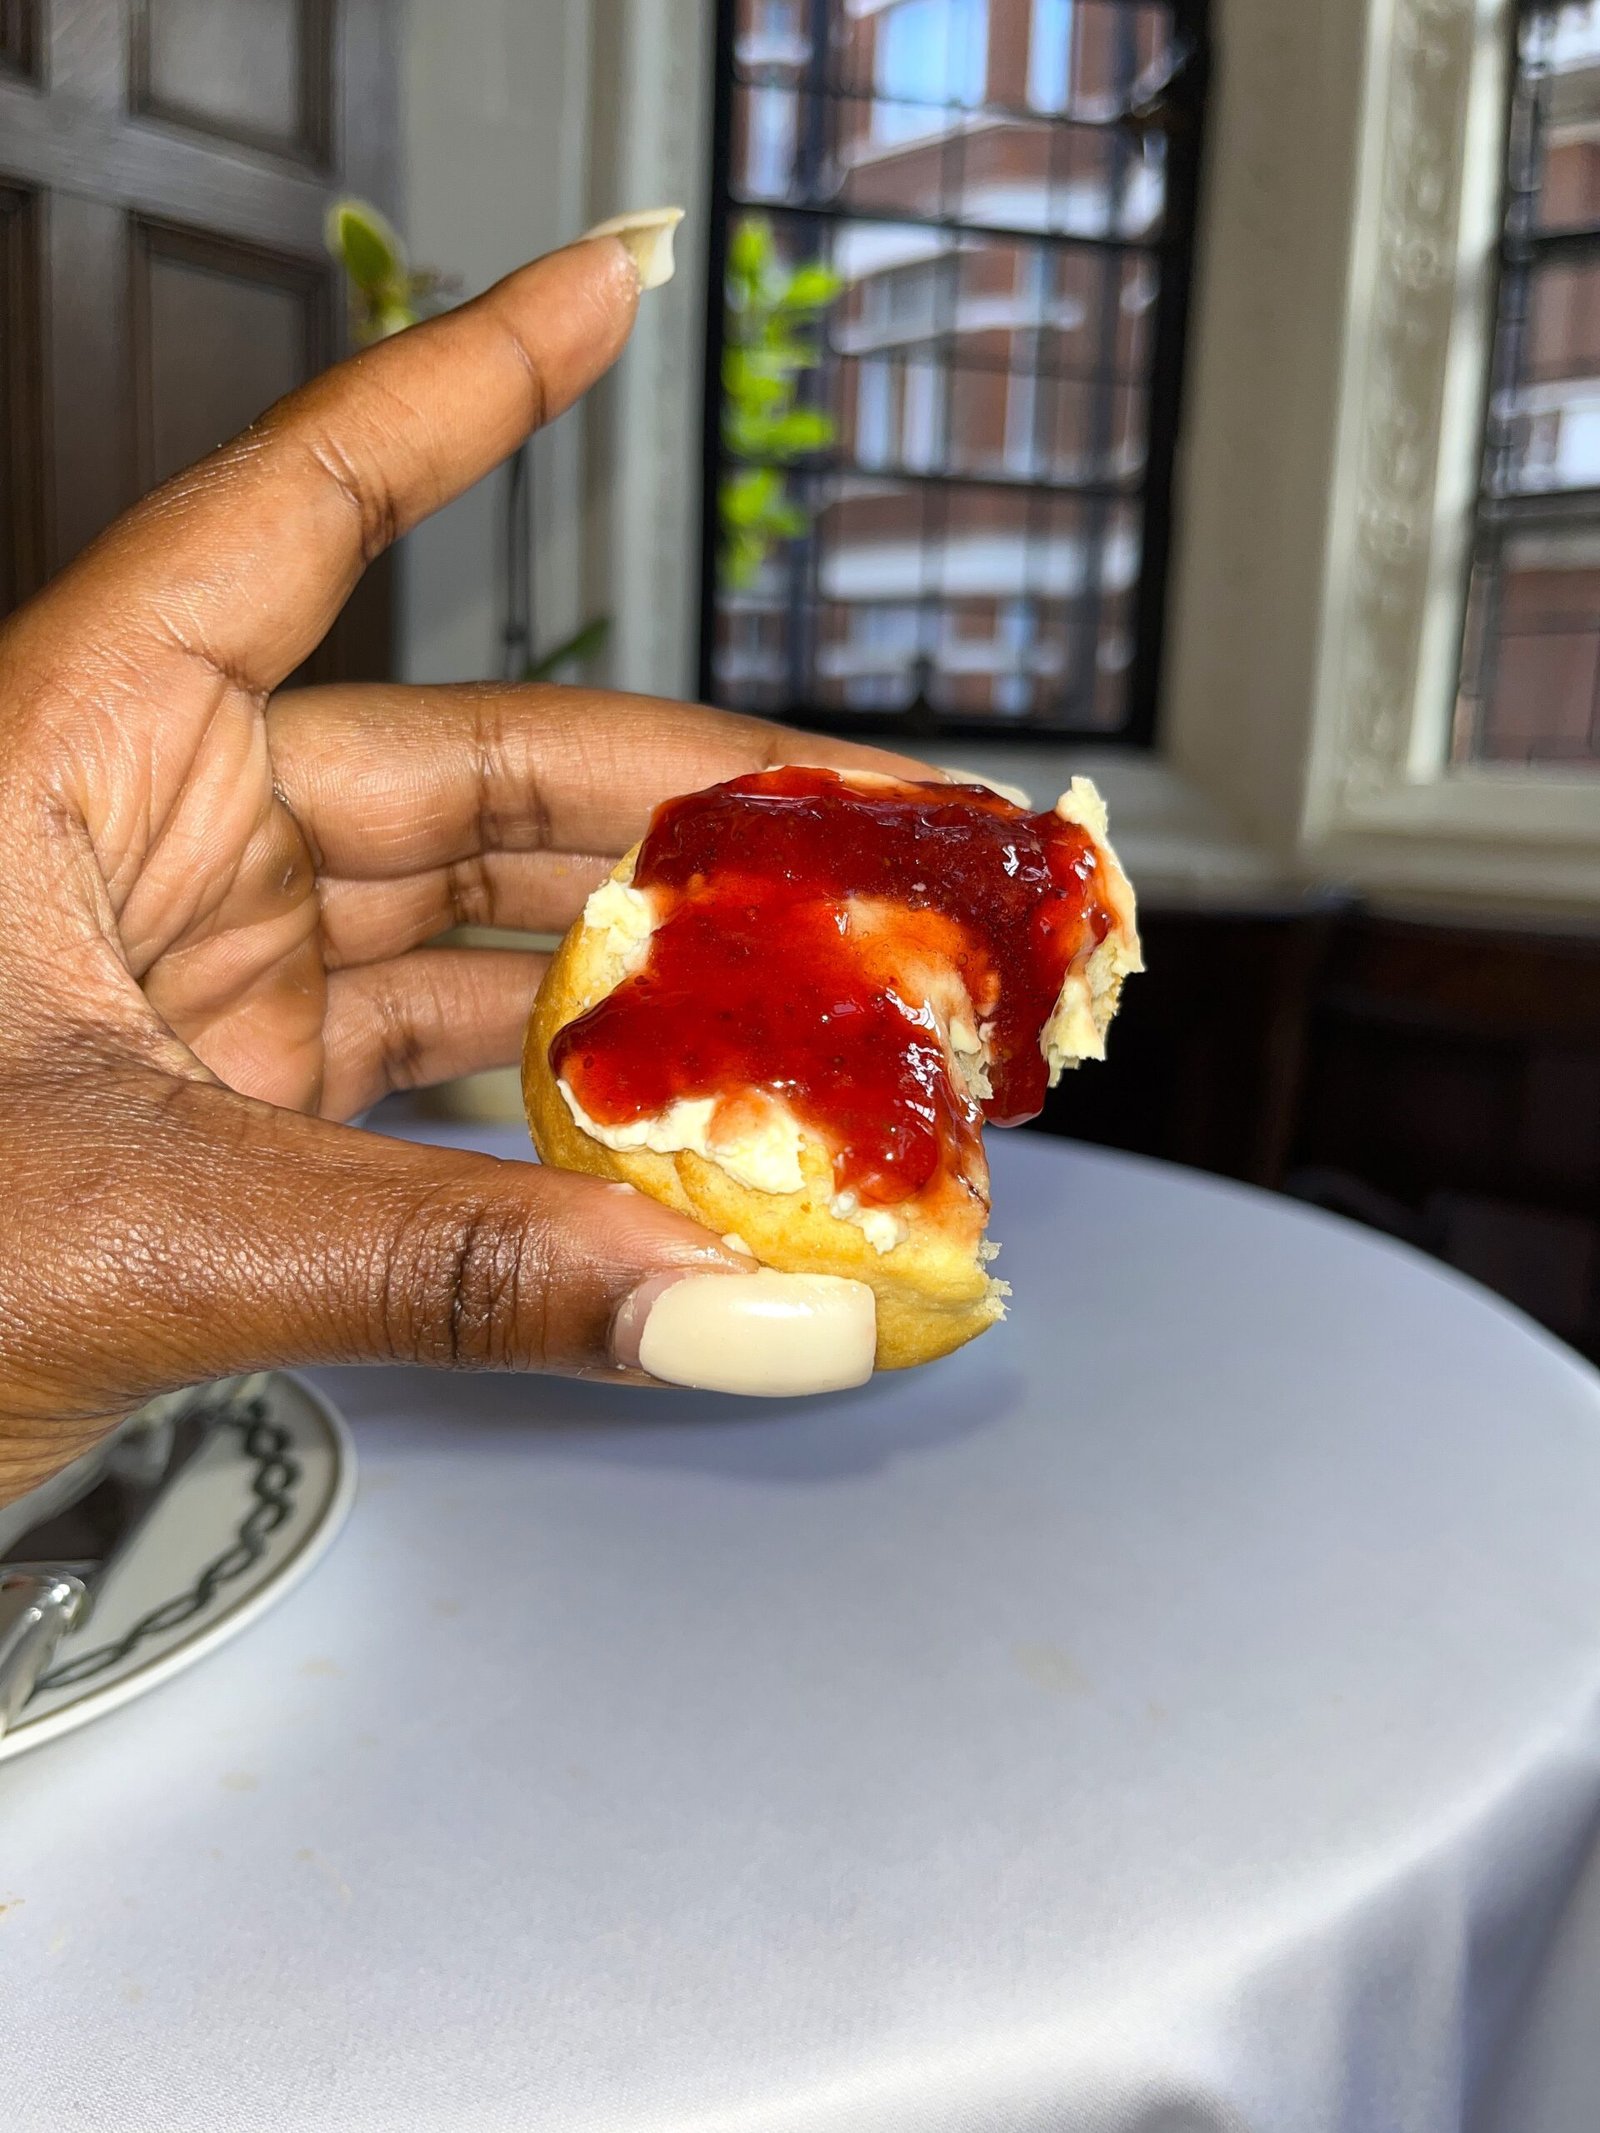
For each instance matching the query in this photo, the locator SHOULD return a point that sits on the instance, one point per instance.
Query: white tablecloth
(1179, 1712)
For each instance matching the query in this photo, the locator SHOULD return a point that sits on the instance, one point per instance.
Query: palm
(217, 909)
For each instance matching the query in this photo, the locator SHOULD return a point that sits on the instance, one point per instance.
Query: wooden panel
(64, 144)
(22, 484)
(256, 71)
(367, 129)
(220, 332)
(1204, 1073)
(89, 389)
(182, 156)
(19, 35)
(83, 56)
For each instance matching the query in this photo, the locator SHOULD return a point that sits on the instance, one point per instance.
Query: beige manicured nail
(763, 1333)
(647, 235)
(1013, 793)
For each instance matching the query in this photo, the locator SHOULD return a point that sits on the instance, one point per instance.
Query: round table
(1180, 1711)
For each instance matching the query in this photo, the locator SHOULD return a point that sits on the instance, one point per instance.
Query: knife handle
(37, 1608)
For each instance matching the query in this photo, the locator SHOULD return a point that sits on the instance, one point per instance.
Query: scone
(795, 1003)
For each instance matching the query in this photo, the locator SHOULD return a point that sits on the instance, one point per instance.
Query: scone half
(751, 1171)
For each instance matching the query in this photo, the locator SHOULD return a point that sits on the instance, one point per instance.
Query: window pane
(1530, 691)
(874, 411)
(1544, 430)
(929, 56)
(1050, 55)
(986, 602)
(1530, 669)
(1554, 145)
(771, 33)
(935, 465)
(767, 128)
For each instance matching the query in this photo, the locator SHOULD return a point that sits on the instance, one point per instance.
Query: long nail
(763, 1333)
(647, 237)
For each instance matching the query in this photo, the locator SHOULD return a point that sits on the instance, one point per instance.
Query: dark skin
(216, 904)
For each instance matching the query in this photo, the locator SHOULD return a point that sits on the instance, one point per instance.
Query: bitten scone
(795, 1003)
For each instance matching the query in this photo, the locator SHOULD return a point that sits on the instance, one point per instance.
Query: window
(922, 444)
(1014, 653)
(874, 405)
(930, 54)
(771, 142)
(1050, 55)
(899, 307)
(1530, 679)
(974, 423)
(775, 30)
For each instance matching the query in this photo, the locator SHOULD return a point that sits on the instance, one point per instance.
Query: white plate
(257, 1507)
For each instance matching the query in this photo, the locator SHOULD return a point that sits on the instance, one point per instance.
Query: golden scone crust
(933, 1294)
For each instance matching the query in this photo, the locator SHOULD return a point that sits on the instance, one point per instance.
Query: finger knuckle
(371, 500)
(471, 890)
(468, 1284)
(401, 1049)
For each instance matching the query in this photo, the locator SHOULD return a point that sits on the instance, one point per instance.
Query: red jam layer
(755, 979)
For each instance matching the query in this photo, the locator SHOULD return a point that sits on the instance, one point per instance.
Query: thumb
(235, 1236)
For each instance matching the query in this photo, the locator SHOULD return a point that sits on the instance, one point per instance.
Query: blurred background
(1204, 394)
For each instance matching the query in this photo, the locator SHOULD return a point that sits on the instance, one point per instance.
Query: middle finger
(523, 892)
(388, 781)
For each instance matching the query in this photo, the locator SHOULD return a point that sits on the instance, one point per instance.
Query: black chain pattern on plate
(273, 1484)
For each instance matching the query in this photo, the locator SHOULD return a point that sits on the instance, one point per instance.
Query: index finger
(246, 558)
(389, 782)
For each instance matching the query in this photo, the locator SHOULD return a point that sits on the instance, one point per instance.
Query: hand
(216, 904)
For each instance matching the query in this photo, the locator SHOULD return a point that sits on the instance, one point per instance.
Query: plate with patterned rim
(255, 1509)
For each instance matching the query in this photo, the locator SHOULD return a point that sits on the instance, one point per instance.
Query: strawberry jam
(798, 920)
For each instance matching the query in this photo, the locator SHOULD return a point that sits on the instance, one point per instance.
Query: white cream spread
(1088, 997)
(624, 918)
(882, 1230)
(763, 1152)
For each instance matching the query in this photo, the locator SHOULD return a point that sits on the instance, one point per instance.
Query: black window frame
(1177, 108)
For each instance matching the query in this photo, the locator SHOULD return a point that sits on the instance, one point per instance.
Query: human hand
(216, 904)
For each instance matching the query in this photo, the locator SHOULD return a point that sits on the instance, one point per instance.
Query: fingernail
(647, 236)
(764, 1334)
(1013, 793)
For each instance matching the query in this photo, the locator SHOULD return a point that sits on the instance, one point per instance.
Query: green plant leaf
(742, 557)
(771, 344)
(802, 429)
(779, 354)
(365, 245)
(744, 435)
(748, 497)
(746, 379)
(382, 319)
(749, 249)
(810, 288)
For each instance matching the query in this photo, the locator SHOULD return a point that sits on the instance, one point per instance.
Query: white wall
(494, 170)
(524, 122)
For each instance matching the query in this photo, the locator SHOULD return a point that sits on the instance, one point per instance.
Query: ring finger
(423, 1018)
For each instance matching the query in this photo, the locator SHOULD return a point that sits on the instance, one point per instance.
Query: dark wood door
(165, 168)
